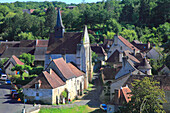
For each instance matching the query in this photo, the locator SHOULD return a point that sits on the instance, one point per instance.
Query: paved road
(94, 95)
(8, 105)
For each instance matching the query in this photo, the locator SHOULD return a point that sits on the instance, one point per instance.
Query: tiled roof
(163, 79)
(41, 43)
(126, 92)
(131, 56)
(127, 43)
(64, 68)
(53, 79)
(17, 60)
(75, 70)
(98, 50)
(66, 45)
(48, 81)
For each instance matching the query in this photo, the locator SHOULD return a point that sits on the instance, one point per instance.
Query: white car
(4, 77)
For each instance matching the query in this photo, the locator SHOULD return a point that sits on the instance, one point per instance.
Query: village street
(8, 105)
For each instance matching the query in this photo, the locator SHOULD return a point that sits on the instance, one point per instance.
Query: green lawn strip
(75, 109)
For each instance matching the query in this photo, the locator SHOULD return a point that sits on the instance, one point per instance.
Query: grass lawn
(75, 109)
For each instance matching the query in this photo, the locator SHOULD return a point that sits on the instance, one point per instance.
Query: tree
(28, 59)
(147, 97)
(110, 35)
(2, 63)
(130, 35)
(51, 17)
(21, 68)
(24, 36)
(114, 26)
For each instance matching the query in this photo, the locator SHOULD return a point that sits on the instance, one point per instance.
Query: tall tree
(147, 97)
(51, 17)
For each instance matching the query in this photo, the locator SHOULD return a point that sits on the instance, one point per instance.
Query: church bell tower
(59, 28)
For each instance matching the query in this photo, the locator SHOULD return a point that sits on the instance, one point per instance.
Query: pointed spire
(59, 28)
(59, 23)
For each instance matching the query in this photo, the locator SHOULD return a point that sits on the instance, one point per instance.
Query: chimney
(36, 41)
(149, 45)
(50, 71)
(124, 60)
(134, 52)
(116, 96)
(115, 40)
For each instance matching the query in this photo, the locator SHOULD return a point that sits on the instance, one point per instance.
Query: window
(37, 86)
(37, 94)
(121, 48)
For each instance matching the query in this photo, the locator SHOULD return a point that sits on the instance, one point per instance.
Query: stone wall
(167, 105)
(43, 95)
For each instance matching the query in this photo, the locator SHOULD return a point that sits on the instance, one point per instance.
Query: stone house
(164, 70)
(154, 54)
(121, 96)
(72, 46)
(128, 79)
(121, 44)
(10, 63)
(59, 76)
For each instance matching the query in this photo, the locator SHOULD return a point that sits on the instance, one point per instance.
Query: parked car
(8, 82)
(15, 95)
(103, 107)
(12, 91)
(4, 77)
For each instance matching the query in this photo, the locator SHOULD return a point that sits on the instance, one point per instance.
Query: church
(73, 47)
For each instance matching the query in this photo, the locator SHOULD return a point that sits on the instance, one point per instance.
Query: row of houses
(126, 62)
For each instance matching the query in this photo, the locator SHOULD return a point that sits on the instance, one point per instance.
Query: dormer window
(38, 84)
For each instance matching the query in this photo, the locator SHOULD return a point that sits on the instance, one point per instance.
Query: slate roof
(144, 65)
(5, 45)
(75, 70)
(17, 51)
(114, 57)
(98, 50)
(163, 79)
(127, 43)
(64, 68)
(107, 43)
(66, 45)
(110, 73)
(142, 47)
(48, 81)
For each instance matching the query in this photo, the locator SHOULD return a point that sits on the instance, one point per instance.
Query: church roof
(66, 45)
(59, 20)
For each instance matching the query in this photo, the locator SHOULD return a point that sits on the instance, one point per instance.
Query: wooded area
(144, 20)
